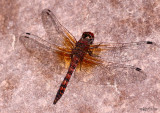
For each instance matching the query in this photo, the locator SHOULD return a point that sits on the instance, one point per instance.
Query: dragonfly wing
(117, 52)
(109, 73)
(49, 54)
(103, 70)
(56, 32)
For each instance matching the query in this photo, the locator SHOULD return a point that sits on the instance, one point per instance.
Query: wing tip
(138, 69)
(153, 43)
(25, 35)
(47, 11)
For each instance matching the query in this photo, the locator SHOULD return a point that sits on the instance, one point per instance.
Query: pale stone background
(25, 89)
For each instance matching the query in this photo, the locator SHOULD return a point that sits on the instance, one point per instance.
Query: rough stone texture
(25, 88)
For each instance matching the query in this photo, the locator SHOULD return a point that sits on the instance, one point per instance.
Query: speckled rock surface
(27, 86)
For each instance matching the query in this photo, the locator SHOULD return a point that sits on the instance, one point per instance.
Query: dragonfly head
(88, 36)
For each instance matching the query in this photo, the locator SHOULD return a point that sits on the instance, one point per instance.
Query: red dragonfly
(83, 57)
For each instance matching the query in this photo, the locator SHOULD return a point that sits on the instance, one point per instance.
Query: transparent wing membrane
(110, 73)
(56, 32)
(44, 51)
(117, 52)
(131, 45)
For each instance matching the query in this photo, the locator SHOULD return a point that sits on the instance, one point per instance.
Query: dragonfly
(83, 57)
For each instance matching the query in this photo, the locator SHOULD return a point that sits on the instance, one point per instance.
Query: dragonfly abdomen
(63, 85)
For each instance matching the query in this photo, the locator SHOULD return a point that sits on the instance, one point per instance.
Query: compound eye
(84, 36)
(87, 35)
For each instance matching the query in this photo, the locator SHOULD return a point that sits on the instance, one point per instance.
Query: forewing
(119, 52)
(50, 55)
(55, 31)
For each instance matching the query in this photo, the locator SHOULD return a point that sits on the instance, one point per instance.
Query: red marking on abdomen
(63, 85)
